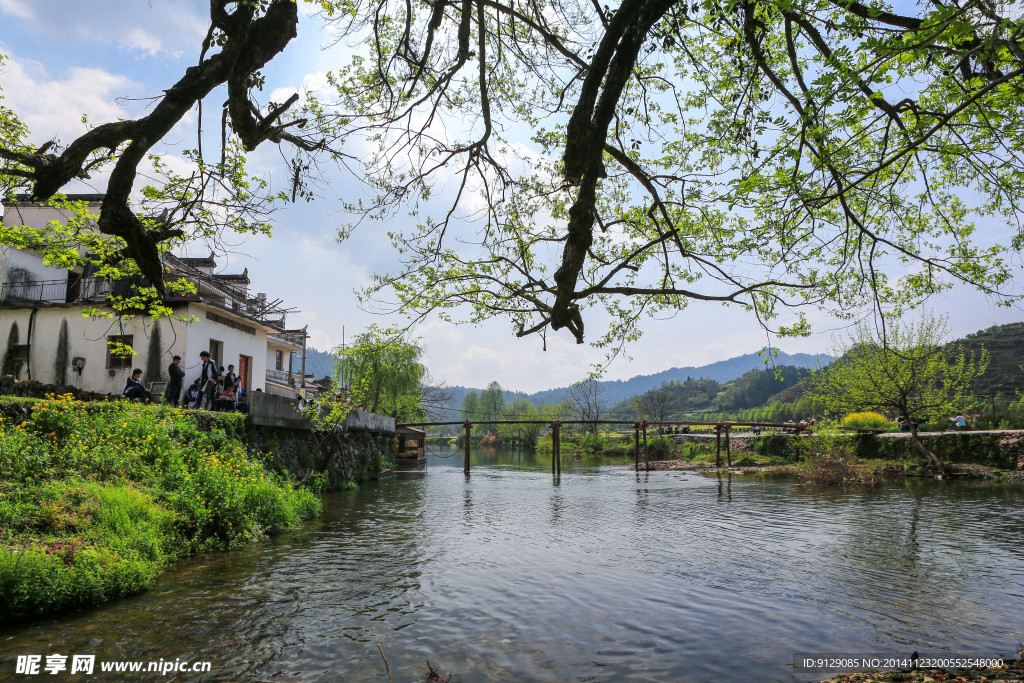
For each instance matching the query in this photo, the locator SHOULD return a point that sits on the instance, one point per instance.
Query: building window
(278, 360)
(216, 351)
(117, 357)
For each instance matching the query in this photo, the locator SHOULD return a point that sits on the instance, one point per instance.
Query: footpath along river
(603, 575)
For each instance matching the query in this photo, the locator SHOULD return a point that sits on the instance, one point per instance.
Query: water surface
(599, 575)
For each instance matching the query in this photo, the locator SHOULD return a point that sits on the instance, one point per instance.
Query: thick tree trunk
(920, 444)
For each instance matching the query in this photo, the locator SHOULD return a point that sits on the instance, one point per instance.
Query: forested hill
(318, 363)
(723, 371)
(1003, 377)
(677, 399)
(1005, 345)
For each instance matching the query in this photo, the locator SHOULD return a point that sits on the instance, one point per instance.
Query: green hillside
(1005, 345)
(677, 399)
(763, 397)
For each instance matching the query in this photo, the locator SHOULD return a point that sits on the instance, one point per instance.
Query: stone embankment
(1000, 449)
(353, 452)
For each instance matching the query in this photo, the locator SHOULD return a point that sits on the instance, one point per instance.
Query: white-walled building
(46, 337)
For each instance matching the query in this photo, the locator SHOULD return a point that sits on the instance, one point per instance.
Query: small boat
(412, 446)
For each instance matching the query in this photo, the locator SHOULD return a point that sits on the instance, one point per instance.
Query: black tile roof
(26, 198)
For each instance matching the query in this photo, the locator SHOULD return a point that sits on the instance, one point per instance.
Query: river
(600, 575)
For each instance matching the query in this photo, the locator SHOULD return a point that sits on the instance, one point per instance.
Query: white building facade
(47, 338)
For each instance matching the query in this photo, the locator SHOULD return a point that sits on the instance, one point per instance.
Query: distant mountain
(1003, 377)
(318, 363)
(678, 399)
(616, 391)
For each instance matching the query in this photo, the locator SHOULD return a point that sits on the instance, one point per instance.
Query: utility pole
(302, 377)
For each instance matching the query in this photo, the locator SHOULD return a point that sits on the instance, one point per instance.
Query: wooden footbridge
(639, 435)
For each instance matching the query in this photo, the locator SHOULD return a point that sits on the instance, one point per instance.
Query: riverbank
(1011, 672)
(867, 469)
(97, 499)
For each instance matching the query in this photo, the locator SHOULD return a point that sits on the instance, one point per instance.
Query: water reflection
(601, 574)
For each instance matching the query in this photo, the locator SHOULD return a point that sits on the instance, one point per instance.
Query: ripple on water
(598, 575)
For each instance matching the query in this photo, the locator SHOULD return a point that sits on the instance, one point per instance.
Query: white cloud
(155, 27)
(315, 83)
(18, 8)
(54, 108)
(140, 39)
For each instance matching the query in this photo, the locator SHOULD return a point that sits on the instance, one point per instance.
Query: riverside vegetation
(96, 499)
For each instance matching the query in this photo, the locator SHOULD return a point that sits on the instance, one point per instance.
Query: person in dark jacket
(133, 388)
(177, 375)
(208, 381)
(231, 379)
(193, 395)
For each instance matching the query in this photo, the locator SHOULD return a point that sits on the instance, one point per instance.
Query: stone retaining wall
(346, 455)
(1000, 449)
(33, 389)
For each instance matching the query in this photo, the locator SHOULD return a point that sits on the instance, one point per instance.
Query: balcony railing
(55, 291)
(223, 295)
(277, 376)
(95, 289)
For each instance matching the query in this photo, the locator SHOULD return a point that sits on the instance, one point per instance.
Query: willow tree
(908, 372)
(385, 374)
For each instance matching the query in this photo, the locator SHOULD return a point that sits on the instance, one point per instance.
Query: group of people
(214, 389)
(791, 426)
(906, 425)
(662, 431)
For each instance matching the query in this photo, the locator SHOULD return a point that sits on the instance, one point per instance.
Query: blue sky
(68, 59)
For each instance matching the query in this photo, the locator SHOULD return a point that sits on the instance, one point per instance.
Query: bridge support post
(558, 446)
(728, 448)
(636, 446)
(718, 445)
(647, 458)
(465, 462)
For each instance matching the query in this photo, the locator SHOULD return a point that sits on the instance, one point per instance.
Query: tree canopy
(908, 373)
(385, 373)
(768, 154)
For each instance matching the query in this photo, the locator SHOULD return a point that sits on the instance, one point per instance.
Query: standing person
(231, 379)
(207, 381)
(177, 375)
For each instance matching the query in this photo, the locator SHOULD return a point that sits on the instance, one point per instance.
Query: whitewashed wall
(87, 338)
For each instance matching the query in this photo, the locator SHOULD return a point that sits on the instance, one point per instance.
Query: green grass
(96, 499)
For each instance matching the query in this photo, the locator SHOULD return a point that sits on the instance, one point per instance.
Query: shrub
(590, 443)
(99, 497)
(831, 468)
(660, 448)
(774, 445)
(867, 420)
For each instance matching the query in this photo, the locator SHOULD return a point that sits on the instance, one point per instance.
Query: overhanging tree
(908, 373)
(768, 154)
(217, 195)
